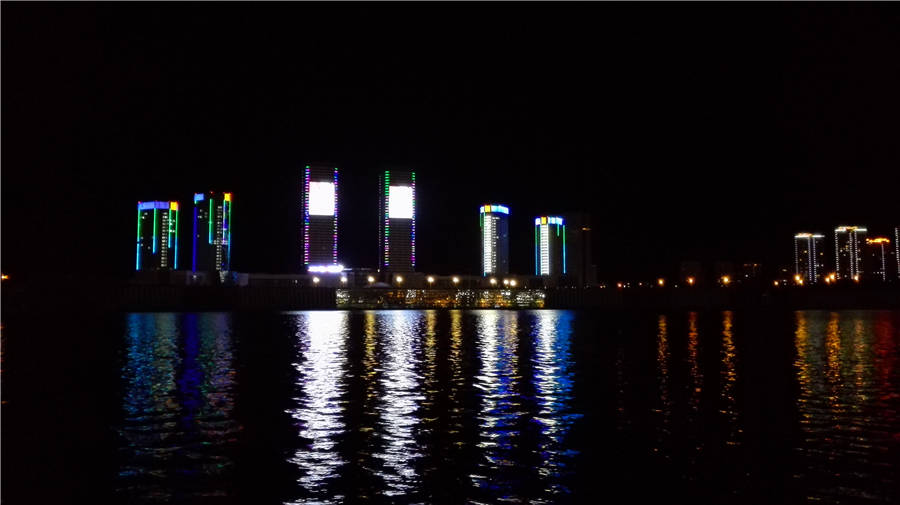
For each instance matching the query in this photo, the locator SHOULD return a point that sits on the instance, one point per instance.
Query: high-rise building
(897, 249)
(494, 239)
(157, 236)
(212, 232)
(320, 217)
(397, 227)
(809, 256)
(579, 264)
(847, 241)
(879, 262)
(549, 245)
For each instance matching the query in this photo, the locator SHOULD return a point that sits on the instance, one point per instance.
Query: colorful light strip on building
(138, 262)
(174, 207)
(387, 213)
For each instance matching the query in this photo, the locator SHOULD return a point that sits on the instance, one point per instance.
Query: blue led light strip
(138, 263)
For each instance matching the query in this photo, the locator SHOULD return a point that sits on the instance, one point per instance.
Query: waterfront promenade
(124, 298)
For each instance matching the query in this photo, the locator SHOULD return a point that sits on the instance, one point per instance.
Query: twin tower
(397, 220)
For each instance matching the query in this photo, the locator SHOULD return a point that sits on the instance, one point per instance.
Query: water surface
(488, 406)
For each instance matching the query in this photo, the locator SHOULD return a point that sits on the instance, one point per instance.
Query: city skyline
(685, 135)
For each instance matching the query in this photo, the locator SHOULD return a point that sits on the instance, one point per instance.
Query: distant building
(809, 257)
(157, 236)
(549, 245)
(847, 242)
(751, 270)
(212, 232)
(494, 239)
(579, 264)
(320, 216)
(879, 259)
(397, 216)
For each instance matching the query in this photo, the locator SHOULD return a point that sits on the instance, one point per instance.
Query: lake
(452, 406)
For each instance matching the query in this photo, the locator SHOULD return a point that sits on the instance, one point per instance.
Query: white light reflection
(320, 386)
(501, 408)
(553, 384)
(399, 405)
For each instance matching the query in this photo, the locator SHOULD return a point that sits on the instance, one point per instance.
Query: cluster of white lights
(329, 269)
(488, 265)
(545, 249)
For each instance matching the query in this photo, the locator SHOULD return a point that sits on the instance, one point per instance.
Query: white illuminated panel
(545, 249)
(400, 202)
(488, 245)
(321, 198)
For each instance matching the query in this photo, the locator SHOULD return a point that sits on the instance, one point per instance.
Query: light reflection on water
(399, 402)
(848, 405)
(501, 402)
(729, 379)
(320, 387)
(402, 406)
(177, 424)
(553, 378)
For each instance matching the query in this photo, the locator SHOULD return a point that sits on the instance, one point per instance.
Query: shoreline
(110, 298)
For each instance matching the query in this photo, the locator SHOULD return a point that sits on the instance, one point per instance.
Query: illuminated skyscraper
(809, 257)
(879, 261)
(549, 246)
(494, 239)
(897, 249)
(212, 232)
(847, 241)
(157, 236)
(320, 217)
(397, 216)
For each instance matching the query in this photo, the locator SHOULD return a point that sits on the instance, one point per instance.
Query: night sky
(702, 132)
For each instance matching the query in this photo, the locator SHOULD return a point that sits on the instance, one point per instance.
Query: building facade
(879, 260)
(847, 244)
(157, 236)
(579, 258)
(494, 239)
(549, 245)
(320, 216)
(397, 222)
(212, 232)
(809, 257)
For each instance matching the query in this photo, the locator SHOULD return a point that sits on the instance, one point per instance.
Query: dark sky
(702, 131)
